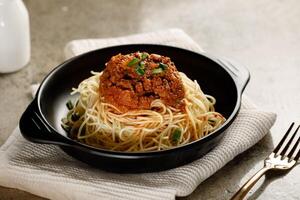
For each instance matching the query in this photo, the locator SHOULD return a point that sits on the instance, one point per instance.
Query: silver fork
(277, 160)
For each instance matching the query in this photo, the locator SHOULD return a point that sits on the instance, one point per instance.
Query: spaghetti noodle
(97, 123)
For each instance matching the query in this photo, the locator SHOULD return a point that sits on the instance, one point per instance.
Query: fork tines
(288, 144)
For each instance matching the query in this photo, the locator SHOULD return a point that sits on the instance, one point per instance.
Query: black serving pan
(41, 122)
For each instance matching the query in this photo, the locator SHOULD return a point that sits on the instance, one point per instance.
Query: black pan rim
(85, 147)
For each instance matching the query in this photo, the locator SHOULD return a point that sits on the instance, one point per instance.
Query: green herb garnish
(69, 115)
(176, 135)
(69, 105)
(133, 62)
(157, 71)
(64, 120)
(142, 65)
(163, 66)
(144, 56)
(211, 121)
(140, 71)
(75, 117)
(66, 127)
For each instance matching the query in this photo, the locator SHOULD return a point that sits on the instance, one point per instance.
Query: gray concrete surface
(263, 35)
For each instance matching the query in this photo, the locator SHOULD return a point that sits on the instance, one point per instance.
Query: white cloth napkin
(47, 171)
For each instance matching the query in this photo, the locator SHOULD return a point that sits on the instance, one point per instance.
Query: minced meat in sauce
(133, 81)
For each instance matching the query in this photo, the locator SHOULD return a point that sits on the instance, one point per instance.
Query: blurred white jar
(14, 35)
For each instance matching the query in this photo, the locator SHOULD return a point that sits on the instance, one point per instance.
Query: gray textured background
(263, 35)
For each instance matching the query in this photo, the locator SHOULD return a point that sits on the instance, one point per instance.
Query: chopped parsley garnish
(66, 127)
(163, 66)
(144, 56)
(133, 62)
(142, 65)
(176, 135)
(211, 121)
(75, 116)
(157, 71)
(64, 120)
(69, 105)
(140, 71)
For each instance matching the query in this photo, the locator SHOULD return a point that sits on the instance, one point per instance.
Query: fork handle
(239, 195)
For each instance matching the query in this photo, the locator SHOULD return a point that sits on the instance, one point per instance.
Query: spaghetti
(100, 124)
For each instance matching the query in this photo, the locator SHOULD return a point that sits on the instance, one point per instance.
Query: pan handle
(35, 129)
(239, 73)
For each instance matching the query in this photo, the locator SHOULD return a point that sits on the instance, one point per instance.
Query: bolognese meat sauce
(133, 81)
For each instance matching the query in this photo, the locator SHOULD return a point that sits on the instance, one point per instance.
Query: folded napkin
(47, 171)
